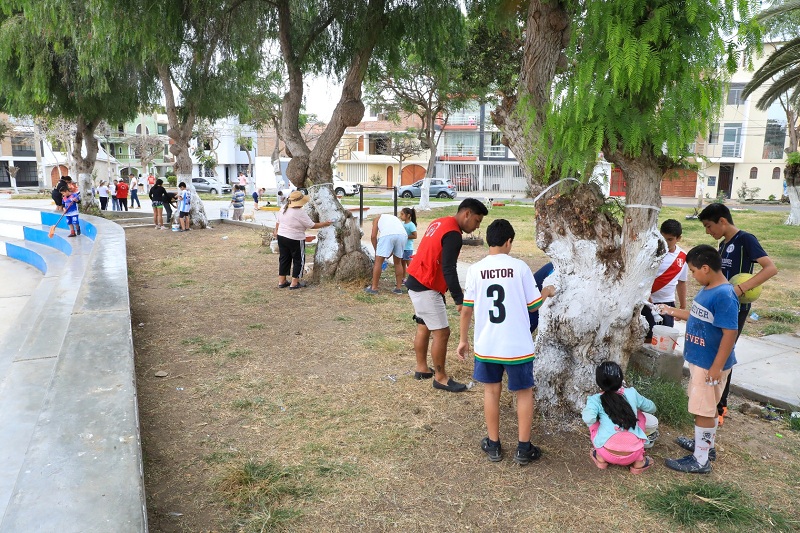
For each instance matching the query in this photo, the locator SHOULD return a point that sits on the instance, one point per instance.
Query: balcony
(459, 153)
(731, 149)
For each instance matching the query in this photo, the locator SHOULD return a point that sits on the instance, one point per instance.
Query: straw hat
(297, 199)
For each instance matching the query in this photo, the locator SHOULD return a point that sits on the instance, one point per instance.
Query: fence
(488, 177)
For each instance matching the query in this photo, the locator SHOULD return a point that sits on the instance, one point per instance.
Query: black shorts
(57, 198)
(183, 214)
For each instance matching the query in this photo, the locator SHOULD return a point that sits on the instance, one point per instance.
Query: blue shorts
(72, 219)
(520, 377)
(407, 254)
(391, 245)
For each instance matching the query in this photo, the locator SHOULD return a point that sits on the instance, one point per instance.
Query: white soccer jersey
(501, 291)
(671, 270)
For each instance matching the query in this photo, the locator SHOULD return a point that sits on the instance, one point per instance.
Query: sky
(321, 96)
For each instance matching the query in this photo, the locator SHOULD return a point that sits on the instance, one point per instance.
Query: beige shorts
(429, 306)
(703, 398)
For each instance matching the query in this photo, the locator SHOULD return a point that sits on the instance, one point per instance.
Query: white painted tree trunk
(601, 282)
(340, 254)
(197, 211)
(793, 191)
(85, 183)
(425, 195)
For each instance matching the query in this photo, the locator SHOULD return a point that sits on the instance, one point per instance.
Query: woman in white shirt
(102, 192)
(291, 228)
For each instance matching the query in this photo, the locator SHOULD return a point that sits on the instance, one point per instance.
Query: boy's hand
(713, 376)
(548, 292)
(462, 350)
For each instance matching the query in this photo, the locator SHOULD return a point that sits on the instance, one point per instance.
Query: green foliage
(721, 505)
(646, 76)
(793, 158)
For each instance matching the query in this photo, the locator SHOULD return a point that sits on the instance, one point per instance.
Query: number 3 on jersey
(498, 313)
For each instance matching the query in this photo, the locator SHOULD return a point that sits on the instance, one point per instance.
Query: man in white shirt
(392, 242)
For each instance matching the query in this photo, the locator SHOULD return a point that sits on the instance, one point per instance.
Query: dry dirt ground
(298, 411)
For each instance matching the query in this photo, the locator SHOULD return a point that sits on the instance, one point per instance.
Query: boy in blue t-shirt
(71, 201)
(739, 251)
(711, 331)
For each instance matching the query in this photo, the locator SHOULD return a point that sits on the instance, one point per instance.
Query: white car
(344, 188)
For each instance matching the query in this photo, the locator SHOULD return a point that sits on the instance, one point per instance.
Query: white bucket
(665, 339)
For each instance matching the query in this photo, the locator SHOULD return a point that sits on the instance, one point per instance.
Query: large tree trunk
(340, 254)
(84, 166)
(433, 142)
(315, 165)
(603, 273)
(181, 132)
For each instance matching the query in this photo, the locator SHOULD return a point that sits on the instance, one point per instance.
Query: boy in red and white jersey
(671, 278)
(500, 292)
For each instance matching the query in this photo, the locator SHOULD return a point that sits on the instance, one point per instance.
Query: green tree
(782, 71)
(638, 80)
(339, 38)
(428, 90)
(48, 68)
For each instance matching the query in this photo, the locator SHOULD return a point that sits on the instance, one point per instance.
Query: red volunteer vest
(426, 267)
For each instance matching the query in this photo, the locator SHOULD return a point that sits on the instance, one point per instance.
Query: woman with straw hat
(291, 228)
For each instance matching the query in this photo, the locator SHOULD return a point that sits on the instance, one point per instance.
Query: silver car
(210, 185)
(439, 188)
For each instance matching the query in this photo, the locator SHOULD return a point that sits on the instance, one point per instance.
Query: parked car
(465, 182)
(344, 188)
(439, 188)
(210, 185)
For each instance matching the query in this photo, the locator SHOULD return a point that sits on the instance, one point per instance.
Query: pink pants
(622, 441)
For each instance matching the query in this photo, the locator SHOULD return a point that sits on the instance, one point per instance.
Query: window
(735, 94)
(753, 173)
(379, 144)
(713, 134)
(732, 140)
(493, 145)
(139, 130)
(162, 129)
(776, 173)
(775, 134)
(22, 146)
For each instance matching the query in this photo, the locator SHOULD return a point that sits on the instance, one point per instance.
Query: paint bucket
(665, 339)
(223, 213)
(650, 429)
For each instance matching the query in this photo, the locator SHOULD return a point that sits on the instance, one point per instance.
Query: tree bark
(603, 273)
(84, 133)
(180, 131)
(339, 251)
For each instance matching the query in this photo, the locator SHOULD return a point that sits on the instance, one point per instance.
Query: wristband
(742, 290)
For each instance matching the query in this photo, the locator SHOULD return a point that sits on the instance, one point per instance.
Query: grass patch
(255, 326)
(181, 284)
(670, 398)
(721, 506)
(242, 352)
(794, 421)
(247, 403)
(212, 347)
(365, 298)
(343, 318)
(776, 328)
(261, 493)
(379, 341)
(339, 470)
(252, 297)
(218, 457)
(785, 317)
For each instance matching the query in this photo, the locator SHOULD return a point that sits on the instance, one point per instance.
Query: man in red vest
(431, 273)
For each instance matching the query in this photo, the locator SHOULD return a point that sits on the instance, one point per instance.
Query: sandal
(648, 462)
(284, 284)
(300, 285)
(424, 375)
(602, 465)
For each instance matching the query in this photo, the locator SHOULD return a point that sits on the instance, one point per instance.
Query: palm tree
(782, 68)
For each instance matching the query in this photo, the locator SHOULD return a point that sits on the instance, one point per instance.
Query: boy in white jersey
(671, 277)
(500, 292)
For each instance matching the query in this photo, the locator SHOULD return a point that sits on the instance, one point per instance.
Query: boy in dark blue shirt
(739, 251)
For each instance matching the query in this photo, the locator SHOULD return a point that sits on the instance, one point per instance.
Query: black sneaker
(523, 457)
(688, 444)
(78, 229)
(494, 451)
(688, 465)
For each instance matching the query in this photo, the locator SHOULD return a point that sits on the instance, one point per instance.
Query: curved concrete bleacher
(70, 451)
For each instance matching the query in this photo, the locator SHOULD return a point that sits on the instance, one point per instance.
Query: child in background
(184, 204)
(671, 278)
(616, 421)
(500, 290)
(237, 201)
(409, 218)
(71, 201)
(711, 331)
